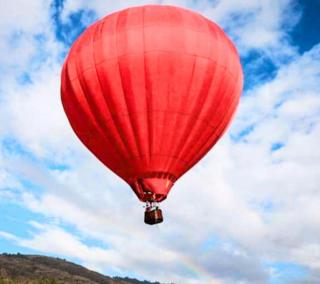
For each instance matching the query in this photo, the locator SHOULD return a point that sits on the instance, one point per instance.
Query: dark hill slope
(35, 269)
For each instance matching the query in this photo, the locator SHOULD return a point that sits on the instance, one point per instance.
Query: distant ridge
(36, 269)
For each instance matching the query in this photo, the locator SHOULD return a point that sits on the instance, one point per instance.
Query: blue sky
(260, 183)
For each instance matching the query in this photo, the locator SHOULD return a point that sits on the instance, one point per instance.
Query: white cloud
(8, 236)
(20, 22)
(24, 16)
(255, 25)
(34, 115)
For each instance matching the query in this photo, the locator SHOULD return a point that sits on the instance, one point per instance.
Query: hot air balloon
(149, 91)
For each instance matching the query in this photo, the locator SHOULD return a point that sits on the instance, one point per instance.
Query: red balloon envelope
(149, 90)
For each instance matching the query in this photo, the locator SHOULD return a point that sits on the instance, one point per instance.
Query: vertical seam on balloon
(193, 128)
(106, 131)
(185, 132)
(166, 165)
(90, 107)
(119, 133)
(182, 102)
(134, 136)
(85, 95)
(72, 97)
(132, 115)
(74, 101)
(217, 109)
(189, 124)
(193, 124)
(149, 113)
(216, 135)
(201, 100)
(225, 120)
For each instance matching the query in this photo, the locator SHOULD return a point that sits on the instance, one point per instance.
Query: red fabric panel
(150, 90)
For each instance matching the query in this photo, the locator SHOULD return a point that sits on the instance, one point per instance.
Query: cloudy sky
(247, 213)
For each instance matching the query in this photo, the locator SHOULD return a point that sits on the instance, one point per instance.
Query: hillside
(36, 269)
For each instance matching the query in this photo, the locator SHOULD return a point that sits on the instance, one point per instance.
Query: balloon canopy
(149, 90)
